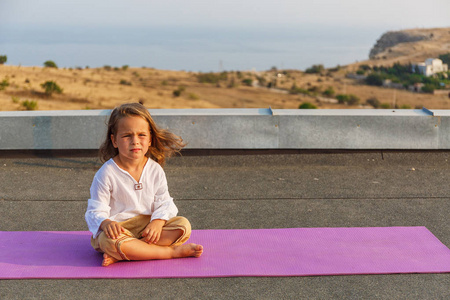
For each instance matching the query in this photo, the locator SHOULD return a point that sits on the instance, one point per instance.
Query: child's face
(132, 138)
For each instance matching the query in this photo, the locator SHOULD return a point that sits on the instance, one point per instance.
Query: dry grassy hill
(102, 88)
(410, 46)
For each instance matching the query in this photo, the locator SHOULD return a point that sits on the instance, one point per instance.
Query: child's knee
(184, 222)
(180, 223)
(110, 246)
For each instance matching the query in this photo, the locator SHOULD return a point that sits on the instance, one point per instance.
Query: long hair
(163, 143)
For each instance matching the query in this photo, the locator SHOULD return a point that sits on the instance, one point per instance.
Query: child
(130, 212)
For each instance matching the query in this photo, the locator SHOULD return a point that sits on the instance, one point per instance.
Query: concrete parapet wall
(240, 128)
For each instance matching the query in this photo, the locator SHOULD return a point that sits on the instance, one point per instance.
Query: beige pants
(133, 230)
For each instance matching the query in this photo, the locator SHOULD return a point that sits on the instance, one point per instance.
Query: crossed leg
(139, 250)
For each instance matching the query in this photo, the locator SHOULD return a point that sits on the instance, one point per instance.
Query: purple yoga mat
(242, 252)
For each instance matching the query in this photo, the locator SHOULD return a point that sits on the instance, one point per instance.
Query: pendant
(138, 186)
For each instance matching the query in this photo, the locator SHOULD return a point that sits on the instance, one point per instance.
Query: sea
(188, 48)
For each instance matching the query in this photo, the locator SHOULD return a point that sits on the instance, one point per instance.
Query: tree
(50, 64)
(445, 58)
(3, 59)
(51, 87)
(365, 67)
(374, 79)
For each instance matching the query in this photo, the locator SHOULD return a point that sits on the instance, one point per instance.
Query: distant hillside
(101, 88)
(411, 45)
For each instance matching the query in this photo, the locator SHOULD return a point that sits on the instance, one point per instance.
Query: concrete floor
(351, 189)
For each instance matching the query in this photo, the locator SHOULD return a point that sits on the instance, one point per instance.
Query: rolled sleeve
(98, 208)
(164, 207)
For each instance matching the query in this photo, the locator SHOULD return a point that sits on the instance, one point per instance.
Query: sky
(395, 14)
(122, 23)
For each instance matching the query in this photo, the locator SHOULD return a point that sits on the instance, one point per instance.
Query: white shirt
(114, 196)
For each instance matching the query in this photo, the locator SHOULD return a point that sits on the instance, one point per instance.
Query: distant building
(430, 67)
(417, 87)
(389, 84)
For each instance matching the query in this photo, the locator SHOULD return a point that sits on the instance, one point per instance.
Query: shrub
(212, 77)
(50, 64)
(307, 105)
(315, 69)
(30, 105)
(314, 89)
(247, 82)
(374, 102)
(428, 88)
(348, 99)
(261, 80)
(124, 82)
(385, 105)
(107, 67)
(353, 100)
(179, 91)
(296, 90)
(335, 69)
(193, 96)
(125, 67)
(3, 59)
(232, 84)
(4, 83)
(329, 92)
(51, 87)
(342, 98)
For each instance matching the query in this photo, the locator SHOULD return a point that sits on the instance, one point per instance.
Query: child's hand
(152, 232)
(112, 229)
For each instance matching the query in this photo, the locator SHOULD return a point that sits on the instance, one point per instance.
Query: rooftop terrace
(247, 187)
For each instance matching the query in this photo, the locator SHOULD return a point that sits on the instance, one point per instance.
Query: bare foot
(188, 250)
(108, 260)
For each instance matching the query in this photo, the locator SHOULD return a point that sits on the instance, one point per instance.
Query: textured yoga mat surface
(242, 252)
